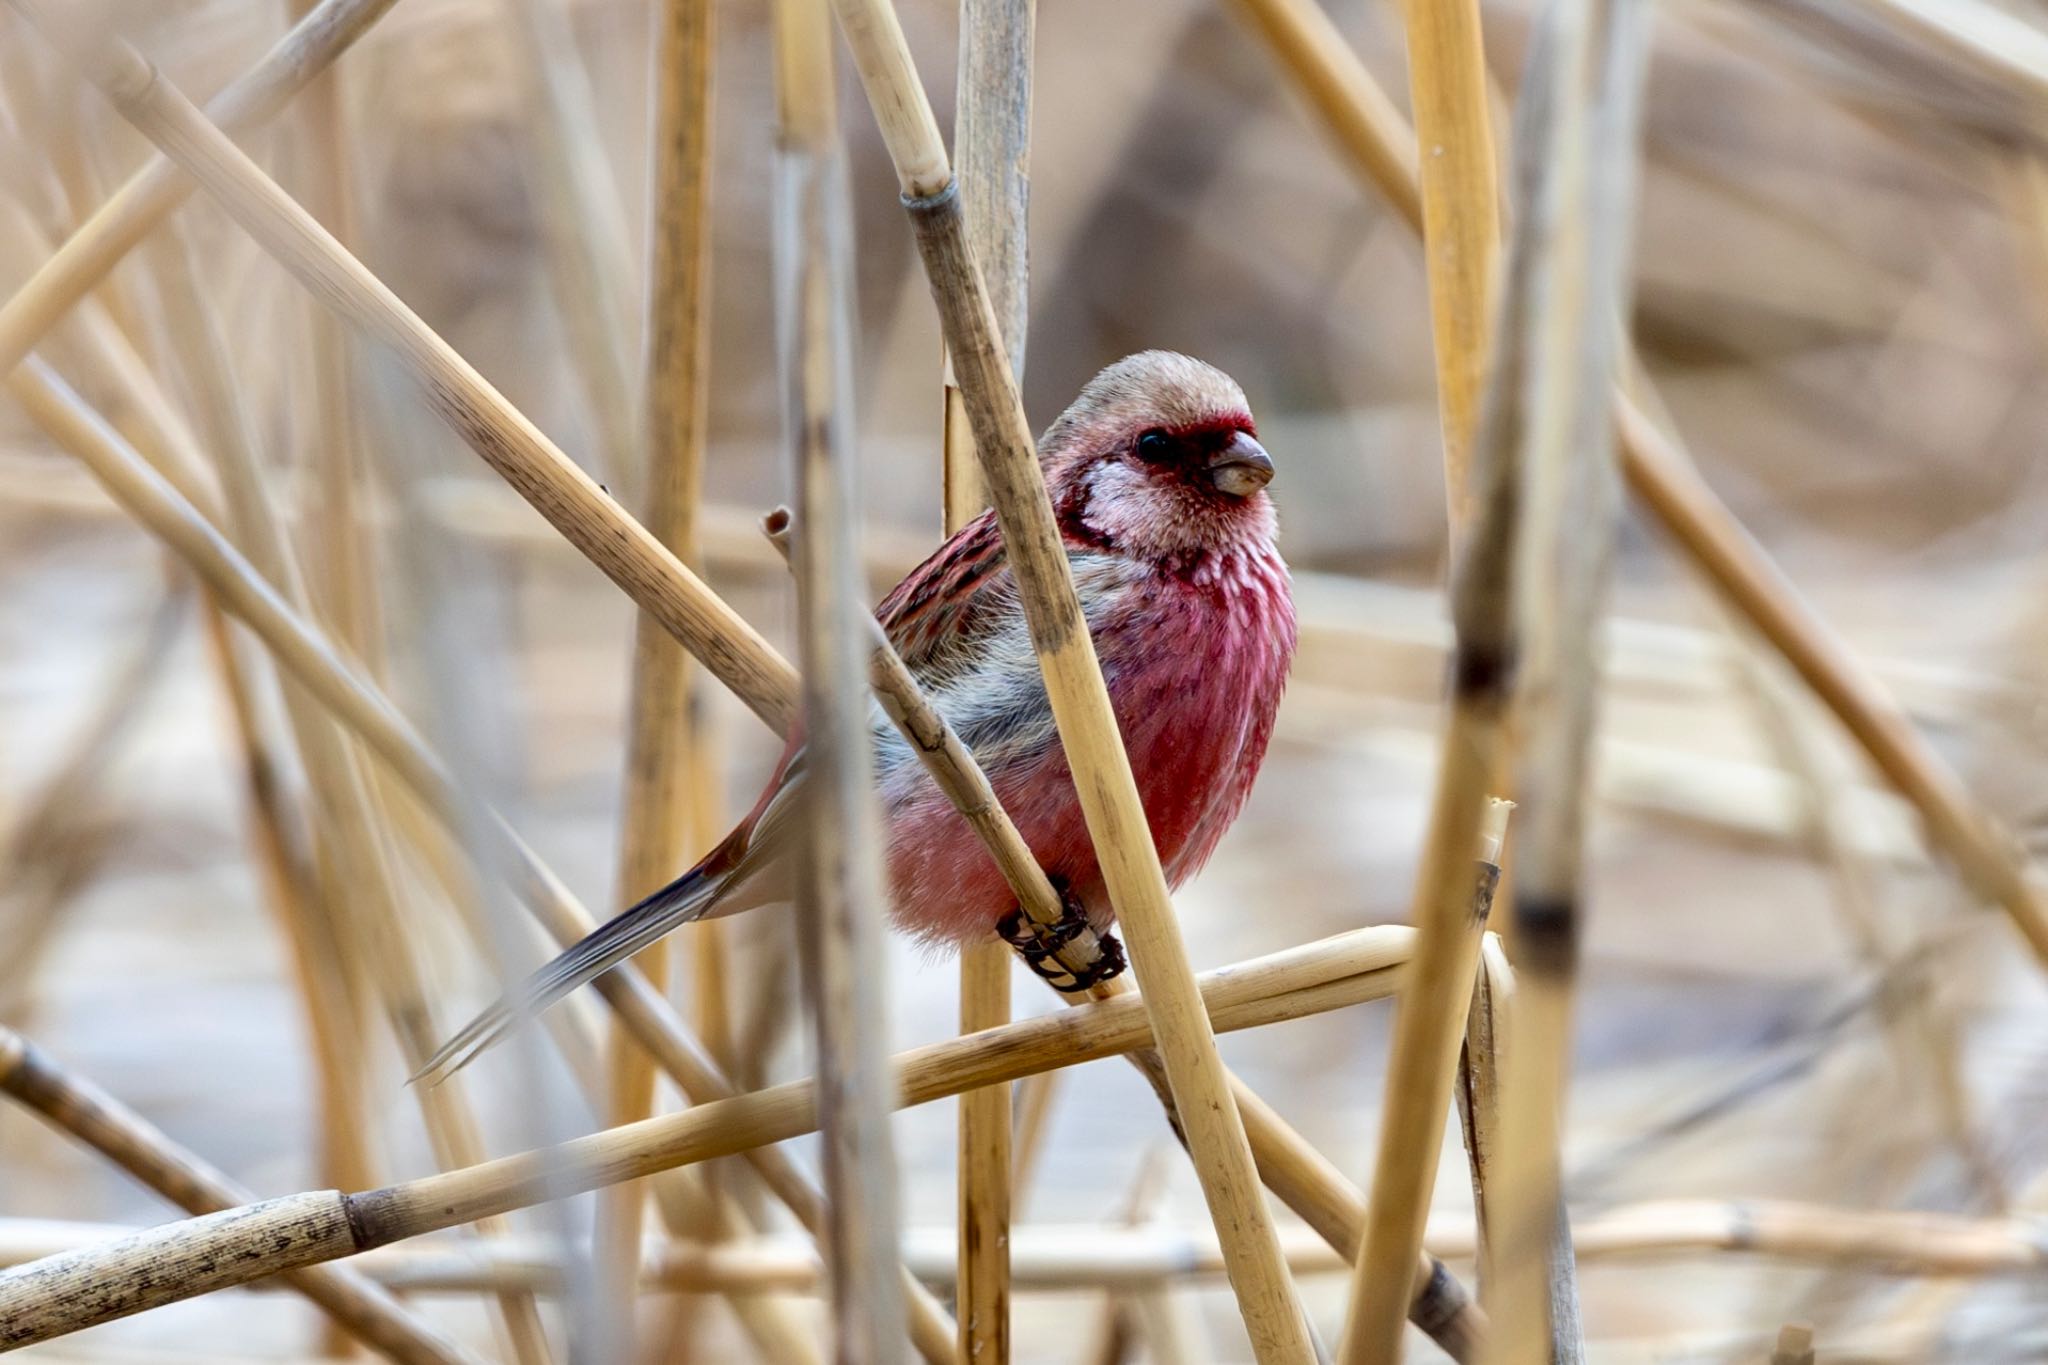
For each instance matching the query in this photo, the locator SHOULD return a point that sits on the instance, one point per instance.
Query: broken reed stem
(992, 132)
(533, 465)
(668, 791)
(364, 890)
(77, 1107)
(1428, 1025)
(1080, 701)
(584, 227)
(1460, 219)
(840, 915)
(149, 195)
(1987, 857)
(1479, 1105)
(1478, 1090)
(1577, 149)
(47, 1298)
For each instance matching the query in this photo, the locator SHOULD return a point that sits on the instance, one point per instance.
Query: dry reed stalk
(292, 890)
(1577, 148)
(1343, 96)
(1080, 702)
(149, 195)
(1478, 1089)
(584, 228)
(309, 658)
(1955, 1251)
(80, 1109)
(1461, 243)
(992, 132)
(512, 445)
(668, 798)
(341, 570)
(163, 1265)
(1460, 219)
(54, 840)
(1316, 58)
(1479, 1103)
(840, 915)
(367, 898)
(1451, 905)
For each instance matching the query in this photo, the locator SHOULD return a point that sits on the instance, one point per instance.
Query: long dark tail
(689, 897)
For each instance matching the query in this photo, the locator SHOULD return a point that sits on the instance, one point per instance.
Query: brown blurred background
(1841, 296)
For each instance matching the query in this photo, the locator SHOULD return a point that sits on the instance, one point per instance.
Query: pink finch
(1158, 483)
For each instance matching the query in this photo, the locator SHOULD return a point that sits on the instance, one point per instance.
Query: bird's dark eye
(1155, 446)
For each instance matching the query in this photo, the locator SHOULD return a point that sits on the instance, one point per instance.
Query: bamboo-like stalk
(1460, 218)
(532, 464)
(1984, 853)
(840, 916)
(1461, 240)
(589, 262)
(150, 194)
(992, 134)
(284, 868)
(1080, 702)
(1452, 902)
(340, 571)
(368, 899)
(664, 810)
(1576, 153)
(1479, 1104)
(163, 1265)
(1066, 1258)
(77, 1107)
(357, 704)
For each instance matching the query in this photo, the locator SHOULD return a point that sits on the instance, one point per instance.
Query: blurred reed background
(1810, 1066)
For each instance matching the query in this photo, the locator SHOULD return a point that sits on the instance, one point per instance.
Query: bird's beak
(1242, 467)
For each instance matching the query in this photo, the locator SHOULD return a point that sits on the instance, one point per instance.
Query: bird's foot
(1040, 945)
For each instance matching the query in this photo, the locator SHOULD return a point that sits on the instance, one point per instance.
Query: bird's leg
(1040, 944)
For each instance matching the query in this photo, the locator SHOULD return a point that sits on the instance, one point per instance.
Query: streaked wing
(941, 605)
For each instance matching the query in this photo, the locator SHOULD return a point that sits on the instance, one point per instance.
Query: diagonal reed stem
(81, 1109)
(178, 1261)
(1345, 97)
(1080, 702)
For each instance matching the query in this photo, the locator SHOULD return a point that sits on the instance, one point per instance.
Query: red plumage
(1157, 481)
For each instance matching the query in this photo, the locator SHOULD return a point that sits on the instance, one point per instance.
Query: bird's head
(1159, 458)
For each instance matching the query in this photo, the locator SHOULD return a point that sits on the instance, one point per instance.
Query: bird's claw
(1040, 946)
